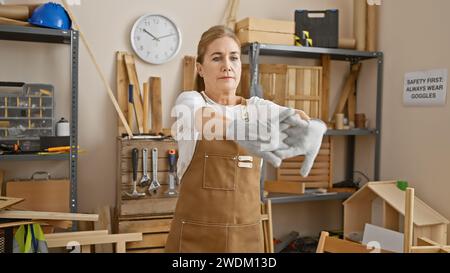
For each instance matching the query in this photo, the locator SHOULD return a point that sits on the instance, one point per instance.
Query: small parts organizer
(26, 113)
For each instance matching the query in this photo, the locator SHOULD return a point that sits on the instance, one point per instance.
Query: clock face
(155, 38)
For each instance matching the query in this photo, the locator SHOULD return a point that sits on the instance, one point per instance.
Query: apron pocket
(202, 237)
(245, 238)
(219, 172)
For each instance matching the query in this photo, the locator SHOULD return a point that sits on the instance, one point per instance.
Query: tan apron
(218, 208)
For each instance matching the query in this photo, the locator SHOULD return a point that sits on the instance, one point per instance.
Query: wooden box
(266, 31)
(41, 195)
(149, 205)
(154, 231)
(321, 175)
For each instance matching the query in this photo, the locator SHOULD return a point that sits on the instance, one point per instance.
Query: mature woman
(221, 139)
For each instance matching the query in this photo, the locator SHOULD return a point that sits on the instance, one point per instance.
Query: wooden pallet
(304, 89)
(298, 87)
(321, 175)
(148, 205)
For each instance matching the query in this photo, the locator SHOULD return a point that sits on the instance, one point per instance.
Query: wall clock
(155, 38)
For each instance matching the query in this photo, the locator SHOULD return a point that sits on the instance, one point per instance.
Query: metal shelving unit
(66, 37)
(255, 50)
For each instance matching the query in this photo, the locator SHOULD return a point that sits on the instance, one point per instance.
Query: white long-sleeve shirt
(190, 102)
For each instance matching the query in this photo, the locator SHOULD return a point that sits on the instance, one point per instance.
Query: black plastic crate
(323, 26)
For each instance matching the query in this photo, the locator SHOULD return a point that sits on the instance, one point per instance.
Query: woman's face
(221, 68)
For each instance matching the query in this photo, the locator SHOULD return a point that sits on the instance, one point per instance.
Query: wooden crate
(272, 78)
(148, 205)
(321, 175)
(266, 31)
(304, 89)
(154, 230)
(298, 87)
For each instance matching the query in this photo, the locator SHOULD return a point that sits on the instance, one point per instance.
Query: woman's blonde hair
(209, 36)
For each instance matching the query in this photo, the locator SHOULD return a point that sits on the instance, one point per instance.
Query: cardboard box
(266, 31)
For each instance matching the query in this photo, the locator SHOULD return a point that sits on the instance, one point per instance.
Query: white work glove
(260, 123)
(304, 138)
(257, 128)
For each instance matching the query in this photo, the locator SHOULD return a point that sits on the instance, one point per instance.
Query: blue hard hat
(51, 15)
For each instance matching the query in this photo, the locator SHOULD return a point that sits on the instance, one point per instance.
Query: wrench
(145, 178)
(154, 185)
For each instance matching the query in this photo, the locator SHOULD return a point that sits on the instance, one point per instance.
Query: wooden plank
(335, 245)
(351, 105)
(422, 241)
(409, 222)
(155, 90)
(9, 201)
(145, 217)
(251, 36)
(150, 241)
(145, 118)
(319, 158)
(162, 146)
(268, 25)
(351, 79)
(326, 73)
(426, 249)
(189, 73)
(321, 245)
(313, 172)
(122, 88)
(318, 178)
(41, 215)
(95, 239)
(103, 223)
(15, 224)
(61, 235)
(147, 250)
(284, 187)
(270, 224)
(133, 79)
(148, 206)
(145, 226)
(48, 195)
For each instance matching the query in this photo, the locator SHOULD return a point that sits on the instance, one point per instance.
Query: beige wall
(412, 37)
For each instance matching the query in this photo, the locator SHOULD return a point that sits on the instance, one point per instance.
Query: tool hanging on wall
(99, 70)
(173, 179)
(154, 185)
(134, 164)
(145, 178)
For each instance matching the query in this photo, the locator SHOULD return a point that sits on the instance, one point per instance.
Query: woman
(218, 207)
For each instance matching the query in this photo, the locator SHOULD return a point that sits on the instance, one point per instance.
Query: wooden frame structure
(358, 211)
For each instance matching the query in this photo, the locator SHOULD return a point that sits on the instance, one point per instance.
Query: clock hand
(168, 35)
(154, 38)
